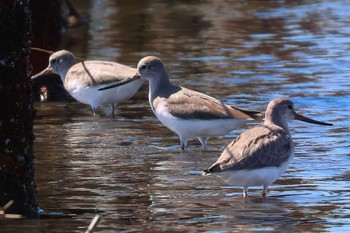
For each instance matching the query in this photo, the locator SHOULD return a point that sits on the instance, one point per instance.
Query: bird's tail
(214, 168)
(206, 172)
(256, 115)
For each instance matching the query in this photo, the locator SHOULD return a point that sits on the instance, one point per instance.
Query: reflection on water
(129, 168)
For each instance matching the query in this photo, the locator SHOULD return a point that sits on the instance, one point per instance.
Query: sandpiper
(82, 80)
(260, 155)
(188, 113)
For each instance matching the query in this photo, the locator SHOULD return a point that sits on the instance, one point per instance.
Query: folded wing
(255, 148)
(188, 104)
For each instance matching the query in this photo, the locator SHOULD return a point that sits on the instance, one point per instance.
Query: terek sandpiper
(82, 80)
(188, 113)
(260, 155)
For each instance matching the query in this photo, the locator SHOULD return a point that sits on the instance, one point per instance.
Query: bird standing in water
(82, 80)
(260, 155)
(190, 114)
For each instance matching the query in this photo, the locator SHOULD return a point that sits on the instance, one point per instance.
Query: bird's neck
(277, 121)
(161, 87)
(64, 71)
(63, 75)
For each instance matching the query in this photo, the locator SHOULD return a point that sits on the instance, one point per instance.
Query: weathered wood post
(16, 109)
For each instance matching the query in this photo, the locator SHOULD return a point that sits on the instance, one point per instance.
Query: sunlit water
(129, 168)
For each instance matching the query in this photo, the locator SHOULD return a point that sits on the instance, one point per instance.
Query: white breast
(192, 128)
(254, 177)
(90, 94)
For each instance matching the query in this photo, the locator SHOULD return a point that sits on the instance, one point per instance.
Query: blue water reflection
(129, 167)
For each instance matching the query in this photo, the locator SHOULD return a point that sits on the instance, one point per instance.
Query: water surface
(129, 168)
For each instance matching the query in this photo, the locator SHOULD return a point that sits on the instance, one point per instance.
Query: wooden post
(16, 109)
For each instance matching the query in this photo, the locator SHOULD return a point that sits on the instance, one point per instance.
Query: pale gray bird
(188, 113)
(82, 80)
(260, 155)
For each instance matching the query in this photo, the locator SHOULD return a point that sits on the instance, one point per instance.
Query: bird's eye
(142, 67)
(290, 106)
(53, 61)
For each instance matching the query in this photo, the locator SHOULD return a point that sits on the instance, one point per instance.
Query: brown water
(129, 167)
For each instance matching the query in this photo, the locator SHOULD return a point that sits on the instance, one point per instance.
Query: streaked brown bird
(260, 155)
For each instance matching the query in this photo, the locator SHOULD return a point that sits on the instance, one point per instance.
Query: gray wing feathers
(255, 148)
(93, 73)
(190, 104)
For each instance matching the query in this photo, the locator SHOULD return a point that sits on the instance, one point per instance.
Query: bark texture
(16, 109)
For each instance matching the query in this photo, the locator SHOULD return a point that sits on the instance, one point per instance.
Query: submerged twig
(9, 216)
(8, 205)
(93, 224)
(52, 52)
(42, 50)
(74, 18)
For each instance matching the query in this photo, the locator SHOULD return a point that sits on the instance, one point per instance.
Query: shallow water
(129, 168)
